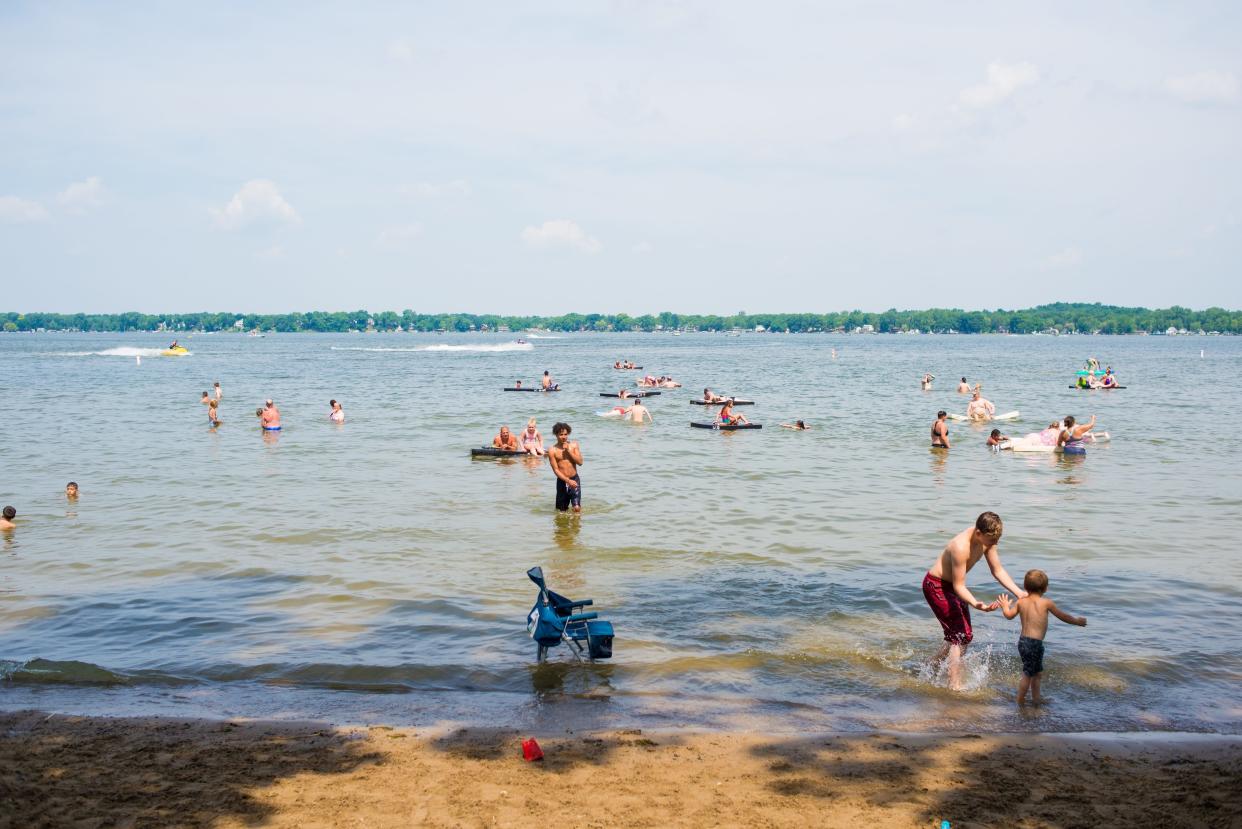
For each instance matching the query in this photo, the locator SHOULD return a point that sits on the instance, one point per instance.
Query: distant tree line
(1081, 318)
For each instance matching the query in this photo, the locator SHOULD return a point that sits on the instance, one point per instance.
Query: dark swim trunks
(952, 613)
(1032, 653)
(566, 497)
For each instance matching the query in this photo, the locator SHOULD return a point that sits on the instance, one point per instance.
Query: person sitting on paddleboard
(728, 418)
(1110, 379)
(531, 440)
(548, 385)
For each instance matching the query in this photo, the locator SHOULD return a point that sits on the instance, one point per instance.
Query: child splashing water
(1034, 610)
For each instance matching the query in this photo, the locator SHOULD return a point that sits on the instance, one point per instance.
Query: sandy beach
(58, 770)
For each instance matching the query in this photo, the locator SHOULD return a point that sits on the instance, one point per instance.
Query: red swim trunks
(952, 613)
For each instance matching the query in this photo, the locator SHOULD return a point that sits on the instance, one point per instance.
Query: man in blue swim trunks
(270, 418)
(565, 458)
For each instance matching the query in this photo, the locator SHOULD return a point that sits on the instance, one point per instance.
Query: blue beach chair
(553, 620)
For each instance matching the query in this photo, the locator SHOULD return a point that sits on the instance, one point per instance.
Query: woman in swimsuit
(212, 413)
(338, 414)
(728, 418)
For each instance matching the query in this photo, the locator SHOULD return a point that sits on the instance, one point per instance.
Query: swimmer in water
(637, 412)
(1073, 435)
(517, 384)
(6, 523)
(337, 415)
(940, 431)
(219, 392)
(71, 491)
(213, 414)
(269, 416)
(797, 424)
(995, 439)
(205, 399)
(505, 440)
(980, 408)
(927, 381)
(963, 387)
(624, 393)
(531, 441)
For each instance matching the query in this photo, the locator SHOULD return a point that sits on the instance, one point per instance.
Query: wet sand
(60, 770)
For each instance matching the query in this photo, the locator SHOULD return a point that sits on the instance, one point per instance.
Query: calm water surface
(766, 579)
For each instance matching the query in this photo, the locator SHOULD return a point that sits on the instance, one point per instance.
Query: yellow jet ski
(175, 352)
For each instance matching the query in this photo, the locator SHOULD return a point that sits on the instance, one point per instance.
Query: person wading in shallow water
(565, 457)
(944, 587)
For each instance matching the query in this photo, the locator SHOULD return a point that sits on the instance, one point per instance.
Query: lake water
(764, 579)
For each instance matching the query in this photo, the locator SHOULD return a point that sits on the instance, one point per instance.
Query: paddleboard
(532, 388)
(721, 403)
(1035, 446)
(722, 428)
(961, 418)
(492, 452)
(631, 395)
(629, 368)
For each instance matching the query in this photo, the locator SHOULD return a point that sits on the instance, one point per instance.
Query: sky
(548, 157)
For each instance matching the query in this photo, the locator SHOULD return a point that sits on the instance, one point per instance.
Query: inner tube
(723, 428)
(493, 452)
(631, 395)
(721, 403)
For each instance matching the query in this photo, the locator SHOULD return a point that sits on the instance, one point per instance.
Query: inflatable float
(723, 428)
(960, 418)
(629, 395)
(1026, 445)
(736, 402)
(532, 388)
(1097, 388)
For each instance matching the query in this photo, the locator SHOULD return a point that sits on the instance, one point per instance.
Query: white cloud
(258, 202)
(1069, 258)
(400, 235)
(903, 122)
(643, 247)
(556, 233)
(14, 209)
(81, 196)
(401, 50)
(1002, 81)
(431, 190)
(1204, 88)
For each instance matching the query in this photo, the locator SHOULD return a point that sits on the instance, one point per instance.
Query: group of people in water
(268, 414)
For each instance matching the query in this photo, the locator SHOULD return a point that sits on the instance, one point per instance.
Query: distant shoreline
(1055, 319)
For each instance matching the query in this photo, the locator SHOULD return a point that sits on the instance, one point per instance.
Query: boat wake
(465, 348)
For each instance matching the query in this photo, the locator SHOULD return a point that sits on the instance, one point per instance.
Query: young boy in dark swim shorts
(1034, 610)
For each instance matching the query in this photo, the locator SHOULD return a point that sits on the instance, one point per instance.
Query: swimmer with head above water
(219, 392)
(927, 381)
(205, 399)
(637, 412)
(797, 425)
(940, 431)
(1074, 435)
(996, 438)
(269, 416)
(71, 491)
(6, 523)
(213, 414)
(963, 387)
(980, 408)
(337, 415)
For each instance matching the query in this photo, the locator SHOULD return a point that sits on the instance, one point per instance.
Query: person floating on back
(1034, 610)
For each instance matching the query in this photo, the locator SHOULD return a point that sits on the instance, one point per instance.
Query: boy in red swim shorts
(945, 589)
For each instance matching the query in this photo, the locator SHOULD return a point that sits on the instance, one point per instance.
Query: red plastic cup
(531, 750)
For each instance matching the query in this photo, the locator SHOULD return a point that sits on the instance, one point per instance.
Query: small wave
(122, 351)
(501, 347)
(67, 672)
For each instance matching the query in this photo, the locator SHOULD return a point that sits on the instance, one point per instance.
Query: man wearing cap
(270, 417)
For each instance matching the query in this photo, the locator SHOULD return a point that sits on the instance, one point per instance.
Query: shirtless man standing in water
(565, 458)
(945, 589)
